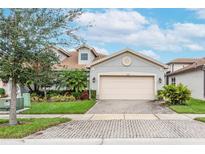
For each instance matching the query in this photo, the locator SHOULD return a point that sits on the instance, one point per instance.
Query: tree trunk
(12, 115)
(29, 87)
(35, 87)
(45, 93)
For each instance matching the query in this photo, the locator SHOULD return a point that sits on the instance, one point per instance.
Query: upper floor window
(174, 80)
(84, 56)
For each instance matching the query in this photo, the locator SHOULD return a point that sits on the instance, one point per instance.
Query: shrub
(57, 92)
(76, 94)
(60, 98)
(160, 95)
(2, 91)
(74, 80)
(37, 99)
(93, 94)
(84, 95)
(176, 94)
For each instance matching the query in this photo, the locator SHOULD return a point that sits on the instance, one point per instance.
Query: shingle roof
(183, 61)
(197, 64)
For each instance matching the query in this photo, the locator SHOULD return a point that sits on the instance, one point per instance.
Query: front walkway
(111, 116)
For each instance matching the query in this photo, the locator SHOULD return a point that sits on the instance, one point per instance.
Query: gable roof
(88, 47)
(198, 64)
(63, 51)
(71, 62)
(183, 61)
(132, 52)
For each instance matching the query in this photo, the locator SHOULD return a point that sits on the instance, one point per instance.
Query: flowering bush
(84, 95)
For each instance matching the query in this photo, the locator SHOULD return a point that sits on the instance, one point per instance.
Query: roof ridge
(133, 52)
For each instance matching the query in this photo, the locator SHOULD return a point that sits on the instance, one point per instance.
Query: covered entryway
(127, 87)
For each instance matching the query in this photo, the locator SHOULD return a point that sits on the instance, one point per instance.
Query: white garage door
(123, 87)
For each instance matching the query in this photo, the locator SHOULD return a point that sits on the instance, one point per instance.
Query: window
(174, 80)
(84, 56)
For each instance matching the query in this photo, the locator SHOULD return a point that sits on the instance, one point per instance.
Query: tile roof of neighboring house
(200, 63)
(71, 61)
(183, 61)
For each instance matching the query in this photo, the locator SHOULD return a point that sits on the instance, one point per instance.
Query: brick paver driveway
(128, 107)
(125, 129)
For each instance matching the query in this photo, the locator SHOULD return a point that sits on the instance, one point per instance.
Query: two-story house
(179, 63)
(190, 72)
(81, 58)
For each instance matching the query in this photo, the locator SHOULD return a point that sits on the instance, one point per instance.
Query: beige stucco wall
(174, 67)
(193, 80)
(7, 87)
(179, 66)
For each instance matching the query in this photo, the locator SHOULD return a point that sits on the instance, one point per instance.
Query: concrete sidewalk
(111, 116)
(127, 141)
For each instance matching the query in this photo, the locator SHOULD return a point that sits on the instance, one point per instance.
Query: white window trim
(81, 56)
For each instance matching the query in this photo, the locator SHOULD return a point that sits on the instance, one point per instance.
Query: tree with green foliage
(73, 80)
(25, 36)
(42, 74)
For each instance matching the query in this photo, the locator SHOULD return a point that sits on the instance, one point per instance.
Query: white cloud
(189, 30)
(150, 53)
(114, 20)
(130, 28)
(199, 12)
(195, 47)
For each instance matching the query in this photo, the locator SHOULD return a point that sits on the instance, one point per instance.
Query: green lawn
(77, 107)
(202, 119)
(194, 106)
(28, 126)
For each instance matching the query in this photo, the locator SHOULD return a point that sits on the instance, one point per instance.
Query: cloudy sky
(163, 34)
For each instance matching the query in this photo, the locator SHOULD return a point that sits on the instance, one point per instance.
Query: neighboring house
(192, 75)
(7, 87)
(179, 63)
(127, 75)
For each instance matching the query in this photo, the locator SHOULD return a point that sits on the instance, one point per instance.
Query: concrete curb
(100, 141)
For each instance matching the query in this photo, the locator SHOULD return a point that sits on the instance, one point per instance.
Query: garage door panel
(121, 87)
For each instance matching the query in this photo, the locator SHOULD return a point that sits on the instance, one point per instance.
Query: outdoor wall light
(160, 80)
(93, 79)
